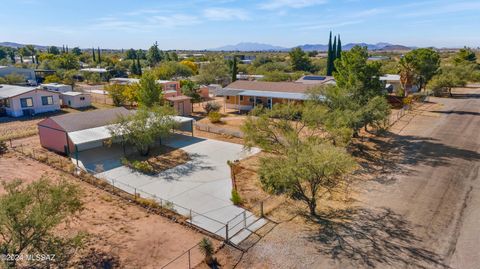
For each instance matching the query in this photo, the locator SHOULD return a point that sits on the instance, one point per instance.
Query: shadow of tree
(388, 156)
(196, 163)
(472, 113)
(367, 238)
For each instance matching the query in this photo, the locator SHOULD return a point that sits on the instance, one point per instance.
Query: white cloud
(279, 4)
(225, 14)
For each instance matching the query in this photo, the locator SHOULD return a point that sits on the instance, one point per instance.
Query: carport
(96, 137)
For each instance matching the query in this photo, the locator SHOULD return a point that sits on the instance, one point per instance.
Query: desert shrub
(149, 203)
(206, 248)
(236, 199)
(211, 107)
(141, 166)
(408, 101)
(214, 117)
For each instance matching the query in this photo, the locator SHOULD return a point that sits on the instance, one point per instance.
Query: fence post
(191, 217)
(189, 262)
(113, 185)
(135, 194)
(226, 232)
(33, 153)
(11, 143)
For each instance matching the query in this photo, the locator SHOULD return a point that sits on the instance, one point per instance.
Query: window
(228, 97)
(241, 97)
(26, 102)
(47, 100)
(82, 98)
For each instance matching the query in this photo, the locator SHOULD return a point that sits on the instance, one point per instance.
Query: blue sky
(200, 24)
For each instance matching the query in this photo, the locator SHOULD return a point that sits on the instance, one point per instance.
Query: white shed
(76, 99)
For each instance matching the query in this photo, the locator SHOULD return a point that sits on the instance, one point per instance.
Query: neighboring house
(171, 92)
(242, 76)
(244, 95)
(74, 132)
(29, 74)
(76, 99)
(56, 87)
(392, 83)
(17, 101)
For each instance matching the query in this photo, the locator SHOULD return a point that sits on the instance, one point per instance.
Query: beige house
(17, 101)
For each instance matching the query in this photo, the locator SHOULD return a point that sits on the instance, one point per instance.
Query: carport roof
(102, 132)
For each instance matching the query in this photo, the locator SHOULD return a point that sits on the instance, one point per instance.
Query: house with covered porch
(245, 95)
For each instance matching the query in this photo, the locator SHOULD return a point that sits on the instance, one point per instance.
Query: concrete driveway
(202, 184)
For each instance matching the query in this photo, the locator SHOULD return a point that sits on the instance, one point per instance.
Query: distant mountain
(249, 46)
(18, 45)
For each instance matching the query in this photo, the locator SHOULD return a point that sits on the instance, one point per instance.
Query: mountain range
(251, 46)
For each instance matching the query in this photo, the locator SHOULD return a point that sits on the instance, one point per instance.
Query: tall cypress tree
(93, 54)
(66, 48)
(98, 56)
(139, 66)
(339, 48)
(334, 53)
(234, 68)
(329, 56)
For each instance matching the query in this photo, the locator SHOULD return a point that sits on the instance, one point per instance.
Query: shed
(76, 99)
(86, 130)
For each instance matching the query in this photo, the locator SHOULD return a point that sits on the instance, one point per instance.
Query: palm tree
(407, 76)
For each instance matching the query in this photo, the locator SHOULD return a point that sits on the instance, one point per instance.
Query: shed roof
(85, 120)
(178, 98)
(292, 87)
(73, 93)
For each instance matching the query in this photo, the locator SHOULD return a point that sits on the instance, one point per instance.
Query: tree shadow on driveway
(366, 238)
(196, 163)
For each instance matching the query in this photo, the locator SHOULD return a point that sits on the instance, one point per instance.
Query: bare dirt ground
(414, 204)
(139, 238)
(13, 128)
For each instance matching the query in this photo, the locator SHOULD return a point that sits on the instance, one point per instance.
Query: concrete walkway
(200, 188)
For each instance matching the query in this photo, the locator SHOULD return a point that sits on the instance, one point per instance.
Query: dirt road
(435, 189)
(420, 209)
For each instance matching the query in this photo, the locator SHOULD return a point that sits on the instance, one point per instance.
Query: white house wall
(16, 109)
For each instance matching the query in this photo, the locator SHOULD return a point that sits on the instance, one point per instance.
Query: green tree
(29, 216)
(99, 57)
(339, 48)
(93, 55)
(359, 77)
(53, 50)
(116, 92)
(139, 66)
(77, 51)
(214, 72)
(153, 55)
(172, 70)
(299, 60)
(233, 68)
(3, 53)
(465, 55)
(149, 91)
(144, 127)
(330, 57)
(13, 79)
(425, 63)
(190, 89)
(302, 163)
(307, 173)
(68, 61)
(131, 54)
(450, 77)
